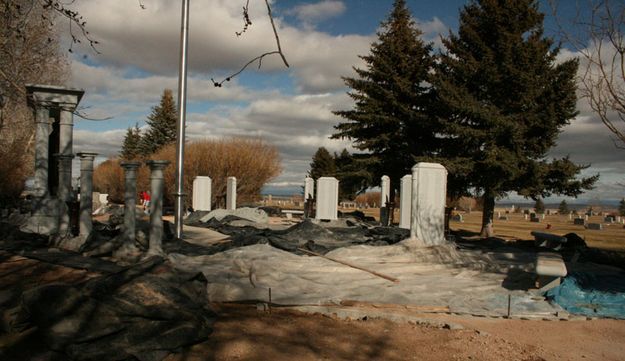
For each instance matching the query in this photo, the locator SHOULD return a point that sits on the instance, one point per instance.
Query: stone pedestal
(405, 201)
(429, 188)
(385, 193)
(202, 187)
(86, 192)
(157, 185)
(327, 198)
(231, 194)
(130, 199)
(309, 196)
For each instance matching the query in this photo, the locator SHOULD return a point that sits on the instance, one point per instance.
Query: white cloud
(315, 12)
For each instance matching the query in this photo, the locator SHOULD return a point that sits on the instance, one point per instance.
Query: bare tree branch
(260, 57)
(601, 45)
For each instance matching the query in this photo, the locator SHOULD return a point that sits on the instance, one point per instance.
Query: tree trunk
(487, 215)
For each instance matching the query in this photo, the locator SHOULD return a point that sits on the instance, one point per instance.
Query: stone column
(231, 194)
(86, 192)
(157, 185)
(385, 193)
(405, 201)
(43, 127)
(66, 128)
(64, 191)
(201, 200)
(309, 196)
(429, 188)
(327, 198)
(130, 198)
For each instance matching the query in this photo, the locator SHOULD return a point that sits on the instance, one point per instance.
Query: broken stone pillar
(309, 196)
(130, 198)
(64, 192)
(202, 187)
(157, 185)
(405, 201)
(231, 194)
(385, 193)
(429, 188)
(327, 198)
(86, 192)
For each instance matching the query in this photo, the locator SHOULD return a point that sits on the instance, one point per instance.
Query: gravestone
(429, 191)
(594, 226)
(385, 193)
(327, 198)
(231, 194)
(579, 221)
(202, 193)
(405, 201)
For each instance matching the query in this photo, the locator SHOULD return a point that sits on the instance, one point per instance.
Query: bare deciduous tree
(29, 53)
(597, 34)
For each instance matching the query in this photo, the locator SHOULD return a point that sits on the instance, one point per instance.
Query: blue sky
(290, 108)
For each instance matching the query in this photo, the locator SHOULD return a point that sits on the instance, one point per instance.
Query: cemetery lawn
(611, 237)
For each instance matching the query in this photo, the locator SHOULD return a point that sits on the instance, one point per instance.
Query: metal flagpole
(182, 110)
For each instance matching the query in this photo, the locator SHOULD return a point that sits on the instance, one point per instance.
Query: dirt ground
(242, 332)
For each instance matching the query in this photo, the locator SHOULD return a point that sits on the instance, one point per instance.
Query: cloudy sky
(289, 108)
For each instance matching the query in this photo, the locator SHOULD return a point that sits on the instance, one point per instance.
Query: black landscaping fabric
(305, 234)
(144, 312)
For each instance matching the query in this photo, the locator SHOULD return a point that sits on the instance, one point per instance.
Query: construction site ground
(361, 330)
(247, 332)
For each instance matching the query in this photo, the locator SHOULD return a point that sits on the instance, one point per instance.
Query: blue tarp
(591, 294)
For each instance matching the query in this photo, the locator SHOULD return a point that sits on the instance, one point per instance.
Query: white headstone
(202, 188)
(309, 188)
(385, 191)
(327, 198)
(429, 190)
(231, 194)
(405, 201)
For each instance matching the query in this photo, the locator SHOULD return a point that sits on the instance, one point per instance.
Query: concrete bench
(550, 268)
(290, 212)
(548, 240)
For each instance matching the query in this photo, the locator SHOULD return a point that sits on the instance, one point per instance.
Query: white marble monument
(405, 201)
(429, 188)
(327, 198)
(231, 194)
(202, 186)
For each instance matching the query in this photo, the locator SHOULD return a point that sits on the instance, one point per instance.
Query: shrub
(252, 161)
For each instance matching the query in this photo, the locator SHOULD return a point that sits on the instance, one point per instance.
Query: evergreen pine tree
(621, 207)
(162, 125)
(390, 116)
(351, 173)
(132, 141)
(563, 208)
(503, 100)
(539, 206)
(322, 164)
